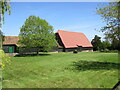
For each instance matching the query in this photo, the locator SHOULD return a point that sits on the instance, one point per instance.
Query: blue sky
(69, 16)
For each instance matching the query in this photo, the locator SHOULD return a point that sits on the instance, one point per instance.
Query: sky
(64, 0)
(68, 16)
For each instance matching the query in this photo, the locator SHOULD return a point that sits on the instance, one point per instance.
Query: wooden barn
(67, 42)
(70, 41)
(10, 44)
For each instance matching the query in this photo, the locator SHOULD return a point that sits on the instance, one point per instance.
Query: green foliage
(37, 33)
(4, 59)
(75, 51)
(115, 44)
(111, 16)
(100, 45)
(1, 34)
(1, 39)
(4, 6)
(105, 45)
(96, 42)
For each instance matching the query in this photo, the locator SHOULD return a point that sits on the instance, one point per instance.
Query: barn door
(10, 49)
(79, 48)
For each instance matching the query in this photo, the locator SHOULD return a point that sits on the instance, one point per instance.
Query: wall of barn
(87, 49)
(58, 39)
(79, 49)
(54, 49)
(70, 49)
(6, 48)
(34, 50)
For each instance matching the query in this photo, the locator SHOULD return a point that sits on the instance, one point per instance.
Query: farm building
(70, 41)
(67, 41)
(10, 44)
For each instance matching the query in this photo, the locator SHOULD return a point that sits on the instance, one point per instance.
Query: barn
(70, 41)
(10, 44)
(67, 41)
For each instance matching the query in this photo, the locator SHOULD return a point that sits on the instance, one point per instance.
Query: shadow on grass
(94, 65)
(29, 55)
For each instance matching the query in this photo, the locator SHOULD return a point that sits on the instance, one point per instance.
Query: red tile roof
(73, 39)
(8, 40)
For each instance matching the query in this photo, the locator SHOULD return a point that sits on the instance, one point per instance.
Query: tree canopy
(96, 42)
(111, 15)
(4, 7)
(1, 38)
(105, 45)
(37, 33)
(99, 45)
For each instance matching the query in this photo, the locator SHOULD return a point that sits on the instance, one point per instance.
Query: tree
(5, 59)
(115, 44)
(1, 38)
(4, 6)
(96, 42)
(111, 15)
(37, 33)
(105, 45)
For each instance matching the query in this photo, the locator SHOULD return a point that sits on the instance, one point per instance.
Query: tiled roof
(8, 40)
(73, 39)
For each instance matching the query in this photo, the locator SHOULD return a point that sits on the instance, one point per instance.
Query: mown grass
(62, 70)
(0, 78)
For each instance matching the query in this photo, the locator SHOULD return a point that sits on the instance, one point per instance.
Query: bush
(106, 50)
(75, 51)
(109, 51)
(4, 59)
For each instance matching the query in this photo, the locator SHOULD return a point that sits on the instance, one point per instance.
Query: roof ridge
(72, 39)
(70, 31)
(11, 36)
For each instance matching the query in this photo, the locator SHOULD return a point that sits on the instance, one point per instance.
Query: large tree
(1, 38)
(4, 6)
(96, 42)
(115, 44)
(111, 15)
(105, 45)
(37, 33)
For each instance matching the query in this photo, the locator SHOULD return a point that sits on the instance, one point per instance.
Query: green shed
(10, 44)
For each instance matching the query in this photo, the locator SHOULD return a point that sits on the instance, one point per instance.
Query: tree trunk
(37, 52)
(0, 42)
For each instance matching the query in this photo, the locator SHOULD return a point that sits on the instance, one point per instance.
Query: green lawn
(62, 70)
(0, 78)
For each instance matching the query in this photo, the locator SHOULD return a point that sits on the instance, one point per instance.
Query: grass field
(0, 78)
(62, 70)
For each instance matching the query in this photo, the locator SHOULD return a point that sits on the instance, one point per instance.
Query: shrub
(109, 51)
(106, 50)
(75, 51)
(4, 59)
